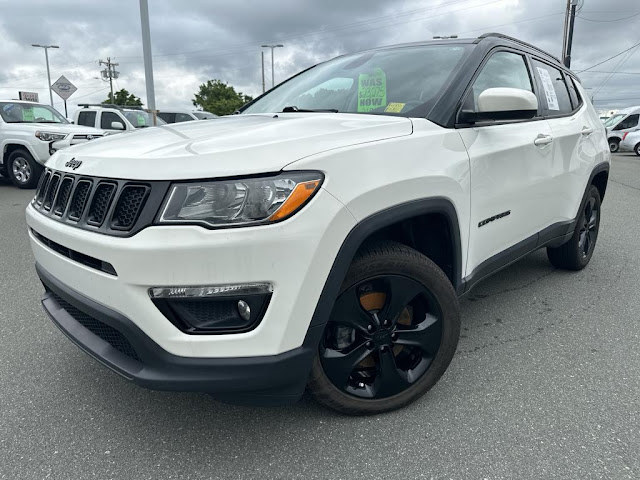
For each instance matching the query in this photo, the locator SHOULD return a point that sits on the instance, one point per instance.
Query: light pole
(272, 47)
(46, 56)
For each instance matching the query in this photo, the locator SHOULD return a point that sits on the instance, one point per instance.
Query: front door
(511, 195)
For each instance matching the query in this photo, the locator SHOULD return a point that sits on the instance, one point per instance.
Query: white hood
(233, 145)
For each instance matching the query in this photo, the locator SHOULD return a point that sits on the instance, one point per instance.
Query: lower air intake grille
(107, 333)
(100, 203)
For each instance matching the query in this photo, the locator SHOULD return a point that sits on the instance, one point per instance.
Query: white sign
(64, 88)
(549, 90)
(28, 96)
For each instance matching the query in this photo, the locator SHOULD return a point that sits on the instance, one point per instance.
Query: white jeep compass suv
(322, 237)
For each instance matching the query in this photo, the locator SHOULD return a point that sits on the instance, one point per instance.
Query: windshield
(204, 115)
(14, 112)
(401, 81)
(142, 119)
(611, 121)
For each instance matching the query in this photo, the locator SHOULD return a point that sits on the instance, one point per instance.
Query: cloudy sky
(196, 40)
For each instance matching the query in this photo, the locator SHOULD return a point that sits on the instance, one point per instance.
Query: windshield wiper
(293, 108)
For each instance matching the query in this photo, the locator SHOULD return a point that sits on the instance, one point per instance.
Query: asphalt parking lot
(545, 384)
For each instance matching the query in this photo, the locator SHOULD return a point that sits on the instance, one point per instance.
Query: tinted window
(402, 81)
(576, 101)
(204, 115)
(503, 69)
(88, 119)
(107, 117)
(183, 117)
(630, 122)
(167, 117)
(553, 91)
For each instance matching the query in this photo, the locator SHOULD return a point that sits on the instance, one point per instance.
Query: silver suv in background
(625, 121)
(177, 116)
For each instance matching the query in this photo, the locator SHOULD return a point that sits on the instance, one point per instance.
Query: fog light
(216, 309)
(52, 151)
(244, 310)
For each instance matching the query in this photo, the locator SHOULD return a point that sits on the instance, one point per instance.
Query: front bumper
(295, 256)
(115, 341)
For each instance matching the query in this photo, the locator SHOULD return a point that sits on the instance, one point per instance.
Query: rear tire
(392, 351)
(577, 252)
(23, 170)
(637, 149)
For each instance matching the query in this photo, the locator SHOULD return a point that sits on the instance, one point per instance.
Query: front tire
(577, 252)
(392, 333)
(23, 170)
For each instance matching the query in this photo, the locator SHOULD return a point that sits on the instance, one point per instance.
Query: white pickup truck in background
(31, 132)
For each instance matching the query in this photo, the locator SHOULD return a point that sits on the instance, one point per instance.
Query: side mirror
(502, 104)
(117, 126)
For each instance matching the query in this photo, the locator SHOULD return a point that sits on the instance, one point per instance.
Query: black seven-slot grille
(110, 206)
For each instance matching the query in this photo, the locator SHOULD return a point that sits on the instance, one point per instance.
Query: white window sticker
(549, 91)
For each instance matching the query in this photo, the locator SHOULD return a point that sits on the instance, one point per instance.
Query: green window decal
(372, 90)
(141, 120)
(27, 115)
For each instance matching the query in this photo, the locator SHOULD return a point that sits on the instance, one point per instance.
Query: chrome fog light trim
(211, 291)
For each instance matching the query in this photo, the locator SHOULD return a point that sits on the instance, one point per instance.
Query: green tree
(123, 97)
(219, 97)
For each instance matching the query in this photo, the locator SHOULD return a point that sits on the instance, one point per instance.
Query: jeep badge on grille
(73, 163)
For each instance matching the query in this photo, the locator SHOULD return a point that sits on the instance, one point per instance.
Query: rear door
(510, 168)
(575, 148)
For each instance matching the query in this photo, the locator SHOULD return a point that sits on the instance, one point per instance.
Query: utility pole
(272, 47)
(109, 73)
(569, 20)
(46, 57)
(262, 54)
(146, 52)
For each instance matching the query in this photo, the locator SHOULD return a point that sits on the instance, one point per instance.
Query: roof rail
(507, 37)
(110, 105)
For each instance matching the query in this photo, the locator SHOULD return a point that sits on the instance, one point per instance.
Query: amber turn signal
(297, 199)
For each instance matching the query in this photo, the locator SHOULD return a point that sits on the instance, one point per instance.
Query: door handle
(587, 131)
(543, 140)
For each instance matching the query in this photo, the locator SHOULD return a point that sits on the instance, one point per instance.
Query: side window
(553, 90)
(107, 117)
(88, 119)
(630, 122)
(576, 101)
(503, 69)
(167, 117)
(183, 117)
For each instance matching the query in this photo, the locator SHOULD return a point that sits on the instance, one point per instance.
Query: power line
(610, 58)
(609, 21)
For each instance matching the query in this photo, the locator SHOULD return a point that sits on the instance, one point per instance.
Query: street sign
(64, 88)
(28, 96)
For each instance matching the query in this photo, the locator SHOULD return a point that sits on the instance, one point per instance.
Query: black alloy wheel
(576, 253)
(589, 230)
(383, 334)
(391, 334)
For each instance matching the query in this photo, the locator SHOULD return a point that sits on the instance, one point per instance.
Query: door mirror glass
(117, 126)
(502, 104)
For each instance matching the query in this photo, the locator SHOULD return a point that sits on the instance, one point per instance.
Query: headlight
(50, 137)
(240, 202)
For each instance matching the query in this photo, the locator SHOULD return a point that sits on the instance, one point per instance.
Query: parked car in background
(114, 118)
(627, 120)
(631, 142)
(322, 236)
(177, 116)
(29, 133)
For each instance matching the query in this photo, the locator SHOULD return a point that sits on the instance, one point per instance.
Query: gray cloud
(198, 40)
